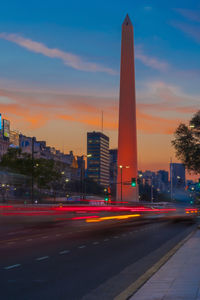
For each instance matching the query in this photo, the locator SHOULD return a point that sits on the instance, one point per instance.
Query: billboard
(6, 128)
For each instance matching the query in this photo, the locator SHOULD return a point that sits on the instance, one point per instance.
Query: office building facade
(98, 160)
(113, 170)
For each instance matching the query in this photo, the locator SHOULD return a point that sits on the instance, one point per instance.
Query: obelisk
(127, 135)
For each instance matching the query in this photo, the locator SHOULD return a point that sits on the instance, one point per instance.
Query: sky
(60, 64)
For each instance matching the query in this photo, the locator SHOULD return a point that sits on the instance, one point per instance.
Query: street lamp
(121, 168)
(83, 176)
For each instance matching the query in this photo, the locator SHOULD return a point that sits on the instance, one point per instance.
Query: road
(59, 261)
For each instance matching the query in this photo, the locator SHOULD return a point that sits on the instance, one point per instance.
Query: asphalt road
(81, 262)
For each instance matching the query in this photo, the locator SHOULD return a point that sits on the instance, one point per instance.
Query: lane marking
(81, 247)
(106, 240)
(18, 239)
(95, 243)
(64, 252)
(45, 237)
(116, 237)
(29, 240)
(42, 258)
(13, 266)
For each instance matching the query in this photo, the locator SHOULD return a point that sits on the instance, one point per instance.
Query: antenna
(102, 121)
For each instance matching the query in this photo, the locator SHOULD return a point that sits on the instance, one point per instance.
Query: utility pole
(121, 181)
(171, 180)
(102, 121)
(82, 178)
(32, 172)
(151, 192)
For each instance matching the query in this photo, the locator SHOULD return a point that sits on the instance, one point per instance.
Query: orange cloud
(35, 109)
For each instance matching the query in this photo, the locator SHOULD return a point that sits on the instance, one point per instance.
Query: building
(113, 170)
(163, 181)
(177, 175)
(127, 135)
(14, 138)
(164, 176)
(98, 160)
(4, 145)
(25, 143)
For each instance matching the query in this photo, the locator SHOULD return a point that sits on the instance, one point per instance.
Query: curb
(132, 289)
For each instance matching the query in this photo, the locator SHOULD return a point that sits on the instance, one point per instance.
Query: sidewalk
(178, 278)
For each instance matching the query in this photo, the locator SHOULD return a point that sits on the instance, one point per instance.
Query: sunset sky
(60, 62)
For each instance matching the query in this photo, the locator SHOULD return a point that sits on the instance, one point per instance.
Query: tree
(17, 161)
(187, 143)
(45, 172)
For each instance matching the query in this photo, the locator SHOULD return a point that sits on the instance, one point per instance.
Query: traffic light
(106, 194)
(133, 182)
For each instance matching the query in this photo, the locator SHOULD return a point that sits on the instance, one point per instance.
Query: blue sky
(87, 36)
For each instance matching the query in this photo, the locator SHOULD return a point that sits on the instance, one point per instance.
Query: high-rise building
(164, 176)
(113, 170)
(127, 136)
(98, 160)
(177, 175)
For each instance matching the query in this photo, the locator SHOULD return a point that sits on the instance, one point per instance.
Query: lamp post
(121, 182)
(32, 171)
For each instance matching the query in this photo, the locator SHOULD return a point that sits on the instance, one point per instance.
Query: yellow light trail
(121, 217)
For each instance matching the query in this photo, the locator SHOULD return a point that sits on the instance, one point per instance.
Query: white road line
(81, 247)
(29, 240)
(45, 237)
(64, 252)
(42, 258)
(116, 237)
(11, 267)
(106, 240)
(95, 243)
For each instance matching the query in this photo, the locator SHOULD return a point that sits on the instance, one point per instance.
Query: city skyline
(59, 72)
